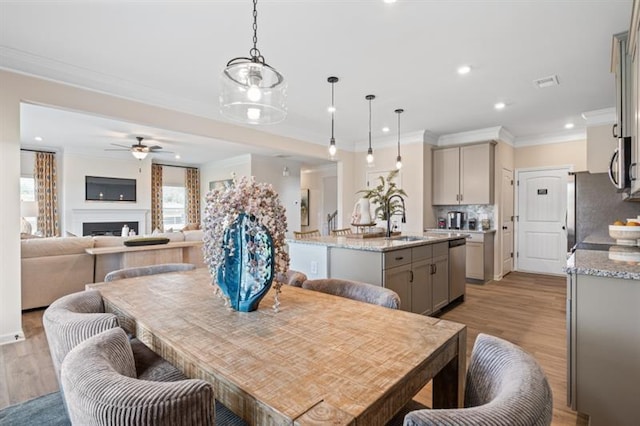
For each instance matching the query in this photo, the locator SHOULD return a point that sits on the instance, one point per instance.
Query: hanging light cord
(254, 52)
(399, 111)
(333, 110)
(370, 123)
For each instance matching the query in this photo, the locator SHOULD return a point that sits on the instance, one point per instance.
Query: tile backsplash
(473, 211)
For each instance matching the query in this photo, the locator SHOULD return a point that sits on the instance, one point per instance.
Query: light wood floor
(526, 309)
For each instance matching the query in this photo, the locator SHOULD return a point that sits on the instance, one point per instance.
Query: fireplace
(107, 228)
(115, 218)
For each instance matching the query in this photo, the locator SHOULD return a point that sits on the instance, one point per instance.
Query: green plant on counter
(380, 194)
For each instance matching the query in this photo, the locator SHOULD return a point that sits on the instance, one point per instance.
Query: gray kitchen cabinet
(398, 279)
(419, 274)
(603, 348)
(479, 256)
(463, 175)
(440, 281)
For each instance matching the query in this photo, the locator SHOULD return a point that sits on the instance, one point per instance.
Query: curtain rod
(38, 150)
(171, 165)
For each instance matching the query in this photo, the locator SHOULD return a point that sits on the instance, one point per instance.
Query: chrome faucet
(388, 212)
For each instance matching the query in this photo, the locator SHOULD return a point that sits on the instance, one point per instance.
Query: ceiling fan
(139, 150)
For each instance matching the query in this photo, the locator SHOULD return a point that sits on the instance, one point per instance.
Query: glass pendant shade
(398, 162)
(252, 93)
(140, 155)
(332, 148)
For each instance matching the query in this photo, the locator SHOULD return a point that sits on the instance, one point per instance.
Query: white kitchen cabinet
(463, 175)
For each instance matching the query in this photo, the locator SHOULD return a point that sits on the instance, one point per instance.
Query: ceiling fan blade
(155, 147)
(121, 146)
(162, 152)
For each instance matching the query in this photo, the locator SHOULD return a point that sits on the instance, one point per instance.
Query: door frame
(516, 211)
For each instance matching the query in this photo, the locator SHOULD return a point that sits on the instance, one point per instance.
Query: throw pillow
(25, 226)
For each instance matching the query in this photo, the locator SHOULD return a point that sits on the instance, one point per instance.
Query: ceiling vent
(543, 82)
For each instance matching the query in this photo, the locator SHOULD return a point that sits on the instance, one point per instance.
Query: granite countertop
(466, 231)
(379, 244)
(618, 262)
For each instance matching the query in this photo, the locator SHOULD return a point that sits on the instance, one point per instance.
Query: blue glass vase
(248, 269)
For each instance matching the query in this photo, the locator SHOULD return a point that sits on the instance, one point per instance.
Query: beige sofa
(54, 267)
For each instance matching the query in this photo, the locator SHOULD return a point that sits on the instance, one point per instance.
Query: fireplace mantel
(80, 216)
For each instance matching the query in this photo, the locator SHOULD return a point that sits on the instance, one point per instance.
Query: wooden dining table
(321, 359)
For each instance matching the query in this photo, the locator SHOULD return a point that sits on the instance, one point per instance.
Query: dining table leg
(448, 384)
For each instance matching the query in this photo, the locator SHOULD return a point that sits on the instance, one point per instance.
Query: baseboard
(18, 336)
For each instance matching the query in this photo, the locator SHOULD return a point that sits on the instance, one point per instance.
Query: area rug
(48, 410)
(44, 410)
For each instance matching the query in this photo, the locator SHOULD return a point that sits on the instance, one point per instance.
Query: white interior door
(542, 212)
(506, 208)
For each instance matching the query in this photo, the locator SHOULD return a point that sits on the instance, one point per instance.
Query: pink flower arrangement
(255, 199)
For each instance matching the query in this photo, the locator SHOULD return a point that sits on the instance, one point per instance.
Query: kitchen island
(414, 266)
(603, 333)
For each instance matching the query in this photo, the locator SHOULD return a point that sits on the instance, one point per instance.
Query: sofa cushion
(195, 235)
(174, 237)
(54, 246)
(108, 241)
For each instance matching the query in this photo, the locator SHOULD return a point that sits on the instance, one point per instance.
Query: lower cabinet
(422, 279)
(479, 256)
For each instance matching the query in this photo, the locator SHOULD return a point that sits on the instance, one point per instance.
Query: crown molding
(390, 141)
(37, 66)
(430, 138)
(551, 138)
(479, 135)
(600, 116)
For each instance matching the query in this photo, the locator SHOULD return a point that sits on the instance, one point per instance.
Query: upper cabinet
(463, 175)
(626, 64)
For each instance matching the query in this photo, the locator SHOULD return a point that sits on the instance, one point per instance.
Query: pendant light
(399, 158)
(332, 109)
(252, 91)
(370, 150)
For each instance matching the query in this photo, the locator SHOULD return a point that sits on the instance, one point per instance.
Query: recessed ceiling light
(389, 1)
(385, 129)
(331, 109)
(464, 69)
(569, 126)
(177, 156)
(38, 138)
(500, 105)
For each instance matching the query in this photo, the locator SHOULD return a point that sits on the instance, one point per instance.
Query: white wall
(269, 169)
(411, 178)
(10, 297)
(323, 195)
(76, 167)
(223, 170)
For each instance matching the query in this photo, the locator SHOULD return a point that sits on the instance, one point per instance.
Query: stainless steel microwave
(620, 165)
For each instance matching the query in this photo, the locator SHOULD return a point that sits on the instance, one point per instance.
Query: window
(173, 207)
(27, 188)
(28, 206)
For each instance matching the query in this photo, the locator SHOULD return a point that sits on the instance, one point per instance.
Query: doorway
(506, 208)
(542, 220)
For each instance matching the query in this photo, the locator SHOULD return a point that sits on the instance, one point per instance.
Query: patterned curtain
(192, 190)
(45, 176)
(156, 197)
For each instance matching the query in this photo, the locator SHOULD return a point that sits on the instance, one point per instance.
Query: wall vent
(543, 82)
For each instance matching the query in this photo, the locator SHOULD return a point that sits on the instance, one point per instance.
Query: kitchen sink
(408, 238)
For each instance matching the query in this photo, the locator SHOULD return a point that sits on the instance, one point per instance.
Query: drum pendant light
(370, 150)
(332, 109)
(252, 91)
(399, 158)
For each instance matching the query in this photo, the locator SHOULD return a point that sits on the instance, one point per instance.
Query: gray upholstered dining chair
(76, 317)
(101, 387)
(140, 271)
(291, 277)
(505, 386)
(355, 290)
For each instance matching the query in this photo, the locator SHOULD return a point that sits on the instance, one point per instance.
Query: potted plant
(380, 195)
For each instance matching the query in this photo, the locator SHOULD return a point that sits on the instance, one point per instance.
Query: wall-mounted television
(109, 189)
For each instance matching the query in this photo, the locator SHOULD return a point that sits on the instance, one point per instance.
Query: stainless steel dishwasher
(457, 268)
